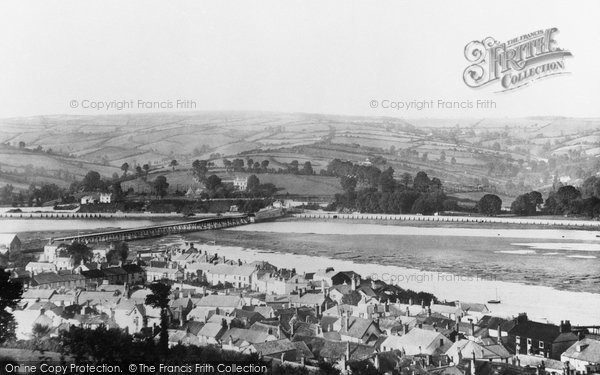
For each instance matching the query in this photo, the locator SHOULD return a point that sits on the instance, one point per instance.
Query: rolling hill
(61, 148)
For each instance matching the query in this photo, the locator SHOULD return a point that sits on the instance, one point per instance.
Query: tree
(118, 253)
(10, 295)
(489, 205)
(591, 188)
(238, 165)
(348, 183)
(146, 168)
(522, 206)
(200, 168)
(159, 299)
(264, 164)
(293, 167)
(161, 186)
(421, 182)
(406, 179)
(21, 144)
(125, 168)
(138, 170)
(117, 191)
(213, 182)
(453, 160)
(102, 345)
(568, 200)
(80, 252)
(386, 180)
(443, 156)
(429, 203)
(92, 181)
(6, 194)
(173, 164)
(527, 204)
(307, 168)
(253, 183)
(435, 184)
(40, 332)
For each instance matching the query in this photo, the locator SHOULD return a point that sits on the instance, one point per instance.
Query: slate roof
(266, 327)
(213, 330)
(265, 311)
(541, 331)
(215, 300)
(224, 269)
(357, 327)
(35, 293)
(474, 307)
(417, 341)
(584, 350)
(93, 274)
(192, 326)
(50, 278)
(274, 347)
(468, 348)
(249, 335)
(132, 268)
(249, 315)
(336, 350)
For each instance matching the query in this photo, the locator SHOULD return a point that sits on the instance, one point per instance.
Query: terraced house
(547, 340)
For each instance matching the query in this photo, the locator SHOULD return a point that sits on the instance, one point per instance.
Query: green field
(288, 184)
(104, 143)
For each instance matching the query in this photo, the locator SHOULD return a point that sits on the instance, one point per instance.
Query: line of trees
(368, 189)
(252, 166)
(255, 189)
(566, 200)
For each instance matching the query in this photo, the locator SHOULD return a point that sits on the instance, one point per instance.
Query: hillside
(464, 153)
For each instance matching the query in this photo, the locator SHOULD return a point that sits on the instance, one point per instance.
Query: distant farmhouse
(9, 242)
(240, 183)
(97, 198)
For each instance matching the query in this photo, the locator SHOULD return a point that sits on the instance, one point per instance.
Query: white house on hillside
(9, 242)
(240, 183)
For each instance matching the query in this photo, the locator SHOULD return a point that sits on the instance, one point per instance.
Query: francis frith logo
(515, 63)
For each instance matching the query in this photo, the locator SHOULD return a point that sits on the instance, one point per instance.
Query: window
(518, 339)
(528, 341)
(541, 345)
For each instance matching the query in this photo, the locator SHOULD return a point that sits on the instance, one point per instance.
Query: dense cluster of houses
(300, 319)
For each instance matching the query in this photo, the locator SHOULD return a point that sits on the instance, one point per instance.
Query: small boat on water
(496, 300)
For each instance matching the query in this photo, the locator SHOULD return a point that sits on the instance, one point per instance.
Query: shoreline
(540, 302)
(338, 228)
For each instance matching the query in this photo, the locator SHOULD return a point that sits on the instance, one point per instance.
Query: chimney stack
(347, 350)
(347, 320)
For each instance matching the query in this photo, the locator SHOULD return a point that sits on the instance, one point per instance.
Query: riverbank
(542, 222)
(541, 303)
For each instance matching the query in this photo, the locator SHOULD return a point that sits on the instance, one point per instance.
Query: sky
(314, 56)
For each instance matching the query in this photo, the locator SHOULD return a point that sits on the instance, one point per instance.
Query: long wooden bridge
(216, 222)
(587, 329)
